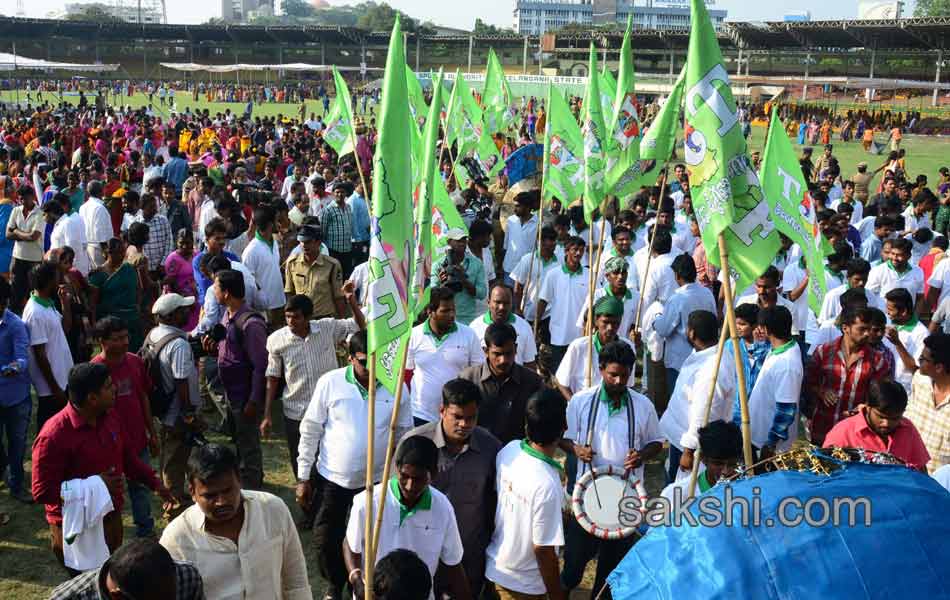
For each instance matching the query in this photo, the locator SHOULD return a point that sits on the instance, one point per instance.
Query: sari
(118, 294)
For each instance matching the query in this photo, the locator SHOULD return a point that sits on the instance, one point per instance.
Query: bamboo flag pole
(733, 334)
(594, 269)
(697, 455)
(646, 274)
(368, 545)
(536, 250)
(359, 166)
(590, 303)
(390, 448)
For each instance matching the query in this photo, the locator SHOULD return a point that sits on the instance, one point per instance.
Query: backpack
(241, 323)
(159, 398)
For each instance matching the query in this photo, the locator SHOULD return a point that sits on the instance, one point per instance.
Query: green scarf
(351, 379)
(47, 302)
(527, 449)
(424, 503)
(438, 340)
(603, 397)
(783, 348)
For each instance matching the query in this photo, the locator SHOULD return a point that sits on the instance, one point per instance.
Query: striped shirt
(931, 420)
(300, 362)
(337, 227)
(91, 585)
(829, 372)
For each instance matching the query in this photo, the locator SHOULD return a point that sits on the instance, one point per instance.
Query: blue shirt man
(175, 170)
(15, 403)
(360, 217)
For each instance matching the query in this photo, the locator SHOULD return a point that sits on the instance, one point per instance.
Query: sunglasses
(361, 361)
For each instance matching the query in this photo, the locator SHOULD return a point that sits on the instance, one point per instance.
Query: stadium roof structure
(917, 34)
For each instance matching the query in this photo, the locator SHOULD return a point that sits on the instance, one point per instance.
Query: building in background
(239, 11)
(130, 11)
(801, 16)
(536, 17)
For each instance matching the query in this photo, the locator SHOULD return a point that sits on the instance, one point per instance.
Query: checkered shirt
(932, 422)
(91, 585)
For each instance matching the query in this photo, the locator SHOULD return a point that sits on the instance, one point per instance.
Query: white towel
(85, 503)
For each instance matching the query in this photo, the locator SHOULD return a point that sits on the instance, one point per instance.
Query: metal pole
(524, 71)
(739, 62)
(937, 78)
(471, 43)
(418, 50)
(323, 53)
(805, 81)
(672, 64)
(540, 56)
(869, 91)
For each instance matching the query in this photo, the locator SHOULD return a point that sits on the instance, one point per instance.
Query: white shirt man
(884, 278)
(831, 305)
(611, 428)
(527, 350)
(671, 324)
(659, 283)
(572, 372)
(263, 261)
(940, 279)
(779, 382)
(565, 293)
(206, 212)
(530, 496)
(429, 529)
(45, 324)
(630, 299)
(912, 336)
(98, 227)
(793, 275)
(531, 277)
(520, 238)
(333, 429)
(69, 231)
(684, 415)
(434, 361)
(779, 301)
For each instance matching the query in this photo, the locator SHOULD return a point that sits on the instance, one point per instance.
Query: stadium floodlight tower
(140, 11)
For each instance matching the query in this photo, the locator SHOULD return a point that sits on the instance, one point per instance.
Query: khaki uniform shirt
(321, 282)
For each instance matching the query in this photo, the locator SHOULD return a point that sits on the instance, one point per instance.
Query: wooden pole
(536, 250)
(359, 166)
(733, 334)
(390, 449)
(646, 274)
(590, 305)
(368, 544)
(712, 394)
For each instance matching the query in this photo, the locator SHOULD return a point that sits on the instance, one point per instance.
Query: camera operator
(179, 375)
(463, 273)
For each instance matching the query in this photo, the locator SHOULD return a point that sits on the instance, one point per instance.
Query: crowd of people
(161, 278)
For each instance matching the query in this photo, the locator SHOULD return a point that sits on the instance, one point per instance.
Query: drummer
(608, 424)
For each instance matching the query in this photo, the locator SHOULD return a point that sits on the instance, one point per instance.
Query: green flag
(391, 229)
(417, 100)
(339, 128)
(793, 210)
(463, 117)
(497, 96)
(594, 135)
(608, 89)
(626, 173)
(726, 193)
(660, 139)
(563, 172)
(488, 155)
(430, 179)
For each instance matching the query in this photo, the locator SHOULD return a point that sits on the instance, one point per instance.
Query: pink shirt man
(904, 443)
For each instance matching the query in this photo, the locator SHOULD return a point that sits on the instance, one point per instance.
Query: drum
(601, 498)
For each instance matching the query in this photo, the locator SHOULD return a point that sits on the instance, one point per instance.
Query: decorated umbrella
(900, 554)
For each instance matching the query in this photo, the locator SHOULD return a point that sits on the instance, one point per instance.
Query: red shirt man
(880, 426)
(82, 440)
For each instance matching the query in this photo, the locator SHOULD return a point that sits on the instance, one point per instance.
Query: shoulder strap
(158, 346)
(242, 319)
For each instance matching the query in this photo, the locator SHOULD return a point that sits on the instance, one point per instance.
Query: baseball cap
(168, 303)
(456, 233)
(309, 233)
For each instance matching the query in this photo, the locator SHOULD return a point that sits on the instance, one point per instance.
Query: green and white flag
(463, 118)
(608, 89)
(660, 139)
(595, 138)
(793, 209)
(389, 299)
(339, 123)
(726, 193)
(425, 192)
(417, 100)
(625, 175)
(563, 170)
(496, 98)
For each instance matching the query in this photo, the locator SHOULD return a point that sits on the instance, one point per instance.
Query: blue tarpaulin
(903, 554)
(524, 162)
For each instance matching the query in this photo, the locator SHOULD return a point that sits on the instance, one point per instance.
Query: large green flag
(608, 89)
(793, 210)
(497, 96)
(563, 171)
(660, 139)
(417, 100)
(726, 193)
(626, 173)
(463, 117)
(389, 299)
(595, 138)
(425, 191)
(339, 129)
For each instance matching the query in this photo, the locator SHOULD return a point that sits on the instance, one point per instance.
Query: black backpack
(159, 398)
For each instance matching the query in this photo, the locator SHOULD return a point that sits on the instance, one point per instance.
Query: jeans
(580, 548)
(14, 424)
(329, 529)
(141, 499)
(673, 468)
(246, 437)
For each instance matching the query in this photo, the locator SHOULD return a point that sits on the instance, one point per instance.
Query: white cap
(168, 303)
(456, 233)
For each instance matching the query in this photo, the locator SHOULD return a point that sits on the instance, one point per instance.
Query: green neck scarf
(579, 271)
(488, 320)
(258, 236)
(47, 302)
(704, 484)
(351, 379)
(527, 449)
(907, 268)
(783, 348)
(607, 400)
(909, 325)
(426, 329)
(627, 294)
(424, 503)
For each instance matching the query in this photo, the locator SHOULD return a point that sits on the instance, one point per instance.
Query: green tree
(298, 9)
(932, 8)
(379, 16)
(93, 12)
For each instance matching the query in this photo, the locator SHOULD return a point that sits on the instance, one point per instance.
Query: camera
(454, 277)
(216, 333)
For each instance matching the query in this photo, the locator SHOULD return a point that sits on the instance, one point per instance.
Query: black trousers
(581, 547)
(20, 284)
(46, 407)
(346, 261)
(329, 529)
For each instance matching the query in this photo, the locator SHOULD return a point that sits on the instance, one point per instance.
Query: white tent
(192, 67)
(12, 62)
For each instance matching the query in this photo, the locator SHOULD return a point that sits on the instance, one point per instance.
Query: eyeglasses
(361, 361)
